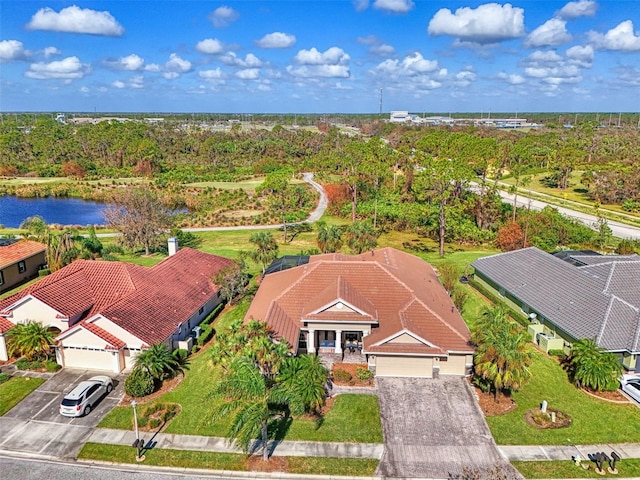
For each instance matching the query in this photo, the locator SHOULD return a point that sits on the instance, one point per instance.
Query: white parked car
(630, 385)
(85, 395)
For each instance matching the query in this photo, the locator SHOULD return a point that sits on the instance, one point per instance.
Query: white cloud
(629, 75)
(620, 38)
(368, 40)
(70, 68)
(395, 6)
(551, 68)
(135, 82)
(512, 79)
(210, 46)
(333, 56)
(581, 56)
(382, 50)
(277, 40)
(360, 5)
(85, 90)
(12, 50)
(414, 64)
(223, 16)
(176, 65)
(211, 75)
(248, 74)
(489, 23)
(153, 67)
(74, 19)
(464, 78)
(552, 32)
(323, 71)
(581, 8)
(250, 60)
(50, 51)
(131, 62)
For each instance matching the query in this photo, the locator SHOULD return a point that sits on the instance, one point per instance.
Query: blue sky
(306, 56)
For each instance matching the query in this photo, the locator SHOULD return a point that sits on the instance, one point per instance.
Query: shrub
(205, 334)
(44, 272)
(154, 422)
(4, 377)
(181, 353)
(24, 364)
(52, 366)
(195, 349)
(211, 317)
(341, 376)
(139, 384)
(364, 374)
(556, 353)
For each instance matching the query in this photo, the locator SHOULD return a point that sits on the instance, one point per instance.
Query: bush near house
(139, 384)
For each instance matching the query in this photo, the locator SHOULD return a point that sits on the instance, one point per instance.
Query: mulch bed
(543, 421)
(616, 396)
(352, 369)
(274, 464)
(490, 407)
(167, 386)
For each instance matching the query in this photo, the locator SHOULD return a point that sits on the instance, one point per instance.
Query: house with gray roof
(567, 299)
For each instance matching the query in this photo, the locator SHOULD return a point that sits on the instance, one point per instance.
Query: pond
(60, 210)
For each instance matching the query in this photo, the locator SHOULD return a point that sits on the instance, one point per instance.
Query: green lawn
(194, 395)
(226, 461)
(15, 389)
(627, 468)
(593, 421)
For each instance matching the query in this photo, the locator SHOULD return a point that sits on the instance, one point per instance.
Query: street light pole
(138, 442)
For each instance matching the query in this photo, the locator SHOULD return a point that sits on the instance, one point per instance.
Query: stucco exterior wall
(33, 309)
(12, 276)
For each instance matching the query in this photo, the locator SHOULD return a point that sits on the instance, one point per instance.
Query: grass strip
(567, 469)
(15, 389)
(225, 461)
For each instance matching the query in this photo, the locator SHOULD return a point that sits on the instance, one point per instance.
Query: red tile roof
(402, 292)
(5, 325)
(147, 302)
(113, 342)
(20, 250)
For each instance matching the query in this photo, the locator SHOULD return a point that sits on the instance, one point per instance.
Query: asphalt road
(618, 229)
(18, 468)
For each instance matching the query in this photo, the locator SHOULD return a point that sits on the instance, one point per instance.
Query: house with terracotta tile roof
(386, 308)
(107, 312)
(571, 296)
(20, 261)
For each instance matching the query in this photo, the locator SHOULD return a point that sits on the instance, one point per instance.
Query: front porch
(334, 346)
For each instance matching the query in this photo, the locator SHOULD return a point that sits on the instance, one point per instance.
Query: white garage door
(388, 366)
(91, 359)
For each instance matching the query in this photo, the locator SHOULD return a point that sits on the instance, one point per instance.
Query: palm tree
(31, 339)
(159, 362)
(266, 249)
(502, 355)
(329, 237)
(253, 401)
(593, 367)
(361, 237)
(306, 377)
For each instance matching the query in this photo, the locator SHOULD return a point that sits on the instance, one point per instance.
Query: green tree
(593, 367)
(266, 248)
(140, 217)
(159, 362)
(361, 237)
(36, 227)
(253, 402)
(30, 339)
(305, 376)
(329, 237)
(62, 249)
(449, 276)
(232, 280)
(502, 354)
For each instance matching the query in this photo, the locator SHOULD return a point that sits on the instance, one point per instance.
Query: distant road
(618, 229)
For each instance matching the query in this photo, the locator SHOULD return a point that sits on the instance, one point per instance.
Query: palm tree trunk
(265, 450)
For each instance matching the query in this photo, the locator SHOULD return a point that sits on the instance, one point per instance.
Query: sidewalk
(218, 444)
(527, 453)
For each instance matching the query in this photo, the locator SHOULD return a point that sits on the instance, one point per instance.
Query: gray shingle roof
(600, 300)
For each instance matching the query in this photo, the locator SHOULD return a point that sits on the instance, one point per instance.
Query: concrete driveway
(433, 428)
(36, 427)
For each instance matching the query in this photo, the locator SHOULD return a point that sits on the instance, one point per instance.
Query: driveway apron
(433, 428)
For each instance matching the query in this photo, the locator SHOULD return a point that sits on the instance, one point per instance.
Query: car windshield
(68, 402)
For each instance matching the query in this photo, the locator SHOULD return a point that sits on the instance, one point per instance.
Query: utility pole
(380, 114)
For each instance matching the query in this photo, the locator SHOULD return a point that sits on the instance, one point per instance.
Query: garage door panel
(390, 366)
(91, 359)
